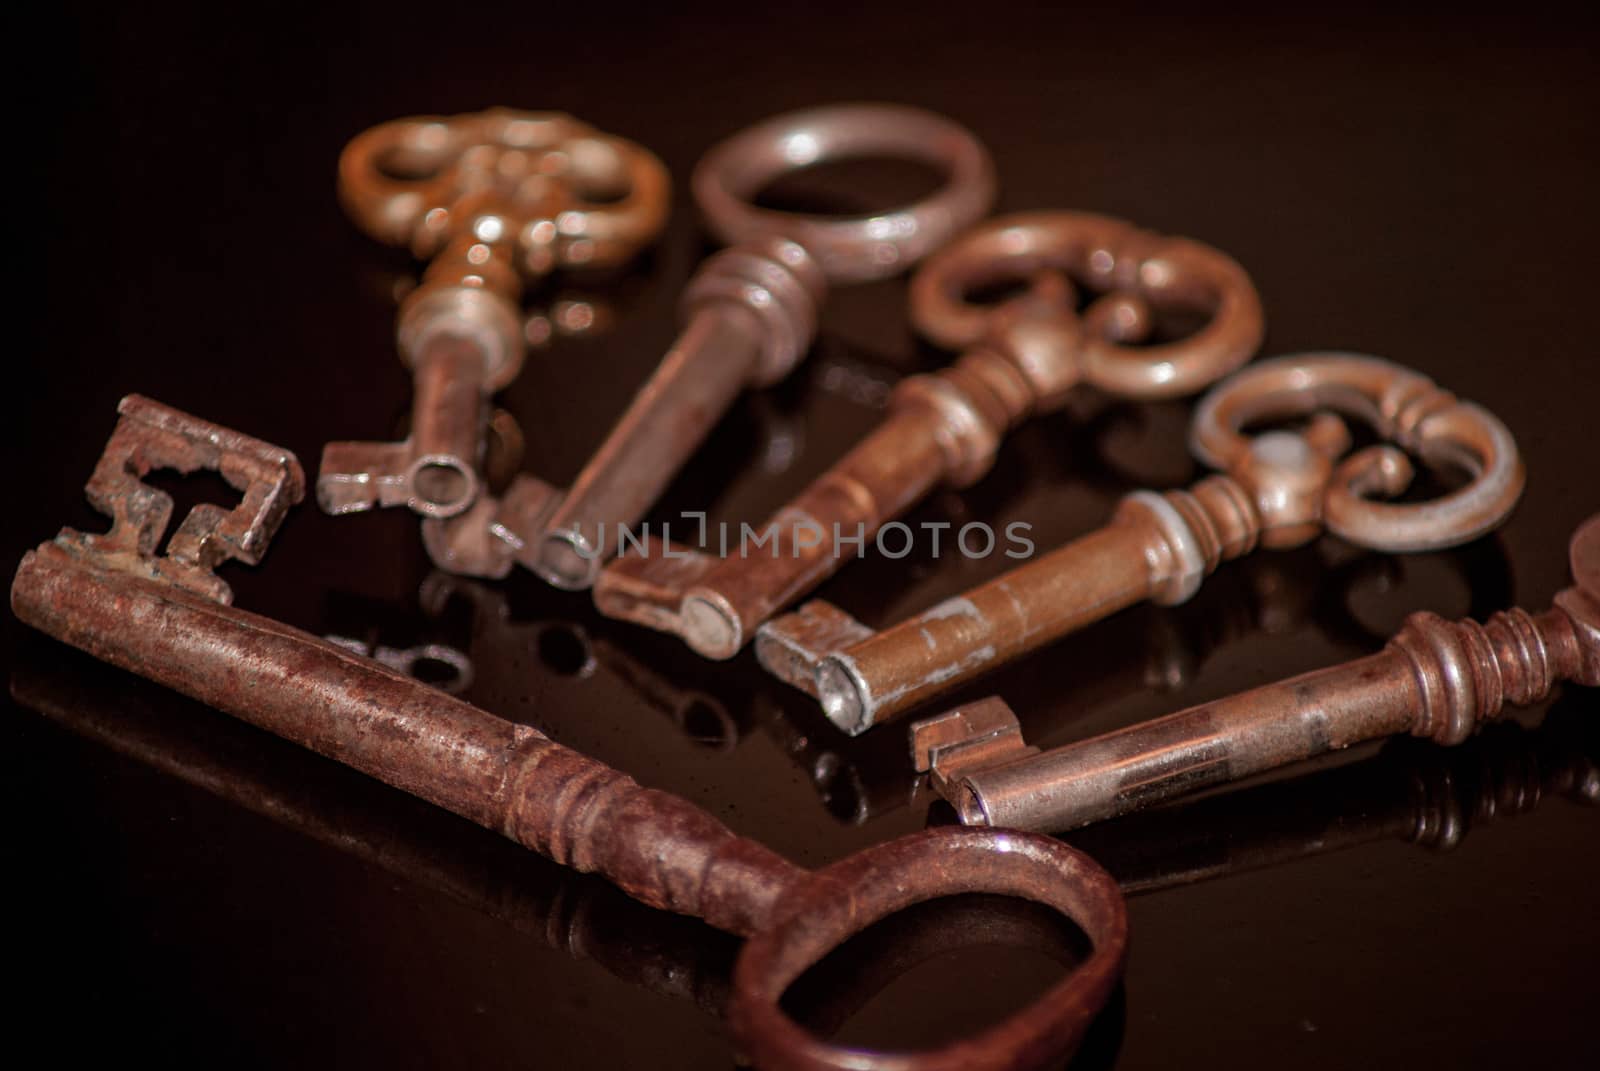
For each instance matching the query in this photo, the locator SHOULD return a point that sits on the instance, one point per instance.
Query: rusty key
(489, 200)
(1436, 679)
(1277, 490)
(1021, 358)
(168, 618)
(751, 311)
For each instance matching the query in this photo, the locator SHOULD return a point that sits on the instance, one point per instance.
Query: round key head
(855, 248)
(833, 904)
(1582, 601)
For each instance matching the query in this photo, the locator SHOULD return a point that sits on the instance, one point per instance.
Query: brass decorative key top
(488, 200)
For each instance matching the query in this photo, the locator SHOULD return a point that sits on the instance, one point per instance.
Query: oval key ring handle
(827, 907)
(1135, 270)
(1404, 407)
(856, 248)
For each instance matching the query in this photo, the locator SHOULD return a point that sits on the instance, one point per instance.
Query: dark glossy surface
(1422, 193)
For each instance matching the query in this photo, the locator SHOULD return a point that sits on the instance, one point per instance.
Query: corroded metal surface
(1436, 679)
(751, 311)
(1020, 359)
(660, 849)
(489, 200)
(1276, 489)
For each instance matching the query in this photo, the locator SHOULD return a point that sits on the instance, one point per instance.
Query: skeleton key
(750, 313)
(1021, 358)
(1436, 679)
(489, 200)
(1277, 490)
(167, 619)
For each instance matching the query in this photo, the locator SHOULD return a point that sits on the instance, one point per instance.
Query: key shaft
(751, 314)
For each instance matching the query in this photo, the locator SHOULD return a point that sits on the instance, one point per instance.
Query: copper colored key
(1436, 679)
(1279, 489)
(1021, 358)
(167, 618)
(489, 200)
(751, 311)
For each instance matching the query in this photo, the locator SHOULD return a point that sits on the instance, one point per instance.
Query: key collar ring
(829, 906)
(1136, 273)
(1303, 481)
(856, 248)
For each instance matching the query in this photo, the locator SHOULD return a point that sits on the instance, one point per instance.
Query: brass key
(490, 200)
(1436, 679)
(1021, 358)
(1278, 490)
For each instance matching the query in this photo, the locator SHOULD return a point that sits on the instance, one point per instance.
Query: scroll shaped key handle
(1278, 489)
(490, 200)
(1020, 358)
(1436, 679)
(167, 619)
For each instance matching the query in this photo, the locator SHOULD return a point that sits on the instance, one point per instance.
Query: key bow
(1303, 481)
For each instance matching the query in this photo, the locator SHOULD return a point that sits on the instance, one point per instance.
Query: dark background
(1419, 189)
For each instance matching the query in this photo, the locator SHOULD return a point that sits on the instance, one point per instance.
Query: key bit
(1278, 489)
(1436, 679)
(1021, 358)
(751, 312)
(490, 200)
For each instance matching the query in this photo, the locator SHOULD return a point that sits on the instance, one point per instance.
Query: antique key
(1277, 490)
(489, 200)
(1436, 679)
(168, 618)
(1021, 358)
(749, 312)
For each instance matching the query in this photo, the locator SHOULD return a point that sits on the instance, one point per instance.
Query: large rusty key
(167, 618)
(751, 311)
(489, 200)
(1021, 357)
(1278, 489)
(1436, 679)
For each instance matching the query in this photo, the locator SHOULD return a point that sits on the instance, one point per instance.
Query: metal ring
(1404, 407)
(858, 248)
(1133, 267)
(835, 903)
